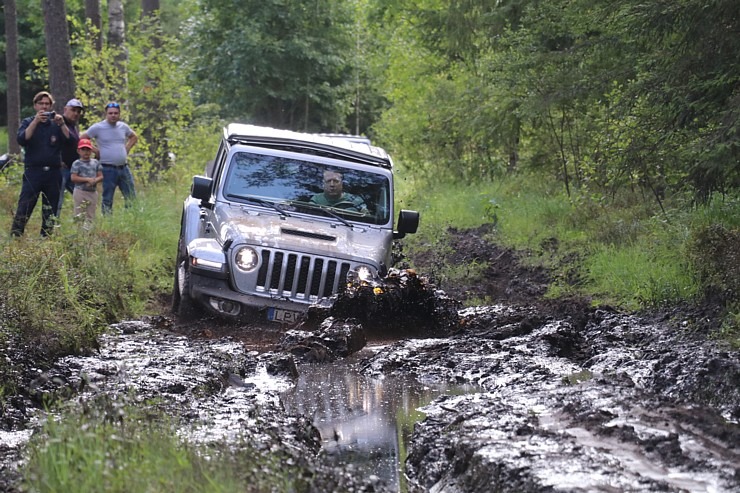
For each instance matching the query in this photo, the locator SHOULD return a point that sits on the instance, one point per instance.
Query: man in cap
(72, 112)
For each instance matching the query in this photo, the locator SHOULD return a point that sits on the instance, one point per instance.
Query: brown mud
(571, 397)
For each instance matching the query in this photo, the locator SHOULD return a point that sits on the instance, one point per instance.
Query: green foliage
(598, 96)
(60, 294)
(626, 254)
(640, 275)
(3, 140)
(689, 72)
(156, 93)
(97, 74)
(115, 446)
(403, 127)
(160, 103)
(149, 230)
(275, 63)
(603, 98)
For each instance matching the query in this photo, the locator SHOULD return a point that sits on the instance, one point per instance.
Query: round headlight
(246, 259)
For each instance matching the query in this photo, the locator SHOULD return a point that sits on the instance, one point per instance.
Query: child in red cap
(86, 173)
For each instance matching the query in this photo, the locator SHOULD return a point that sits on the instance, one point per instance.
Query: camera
(50, 114)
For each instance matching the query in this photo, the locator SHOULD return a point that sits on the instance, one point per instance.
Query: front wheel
(183, 305)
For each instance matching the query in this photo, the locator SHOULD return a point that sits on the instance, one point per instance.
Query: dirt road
(568, 397)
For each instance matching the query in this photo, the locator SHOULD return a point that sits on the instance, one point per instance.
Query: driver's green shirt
(345, 201)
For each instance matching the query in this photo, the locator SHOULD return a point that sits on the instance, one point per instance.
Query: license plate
(284, 316)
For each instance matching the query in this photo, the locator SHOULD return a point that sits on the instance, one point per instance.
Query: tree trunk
(155, 136)
(116, 23)
(61, 76)
(117, 40)
(12, 72)
(148, 7)
(92, 12)
(513, 147)
(150, 15)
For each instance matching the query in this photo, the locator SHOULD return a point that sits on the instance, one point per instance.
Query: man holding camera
(42, 136)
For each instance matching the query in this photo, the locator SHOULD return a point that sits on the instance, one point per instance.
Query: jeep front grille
(300, 277)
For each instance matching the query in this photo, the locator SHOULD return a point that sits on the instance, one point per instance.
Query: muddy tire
(183, 305)
(176, 294)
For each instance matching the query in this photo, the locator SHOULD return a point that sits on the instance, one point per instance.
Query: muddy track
(570, 398)
(620, 405)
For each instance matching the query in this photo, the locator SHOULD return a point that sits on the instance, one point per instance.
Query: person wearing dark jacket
(72, 112)
(42, 137)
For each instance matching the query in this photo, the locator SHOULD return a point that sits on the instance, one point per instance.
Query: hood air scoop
(306, 234)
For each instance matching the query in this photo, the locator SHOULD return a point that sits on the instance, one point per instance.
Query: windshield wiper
(325, 209)
(259, 201)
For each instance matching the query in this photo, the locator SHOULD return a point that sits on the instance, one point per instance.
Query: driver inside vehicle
(334, 195)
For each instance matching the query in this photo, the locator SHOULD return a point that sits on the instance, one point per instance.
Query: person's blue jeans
(120, 177)
(66, 185)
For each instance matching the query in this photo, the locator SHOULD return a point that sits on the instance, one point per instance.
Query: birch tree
(117, 40)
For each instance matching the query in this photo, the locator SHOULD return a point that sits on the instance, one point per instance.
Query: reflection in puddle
(363, 421)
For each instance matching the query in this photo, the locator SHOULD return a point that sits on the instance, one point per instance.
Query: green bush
(60, 293)
(627, 252)
(714, 251)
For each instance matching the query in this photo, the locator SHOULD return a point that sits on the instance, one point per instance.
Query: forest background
(599, 140)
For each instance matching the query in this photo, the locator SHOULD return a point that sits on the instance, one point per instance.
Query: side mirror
(408, 222)
(201, 188)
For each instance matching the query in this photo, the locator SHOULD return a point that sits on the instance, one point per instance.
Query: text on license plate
(285, 316)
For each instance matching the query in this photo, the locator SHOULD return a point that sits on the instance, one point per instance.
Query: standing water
(364, 421)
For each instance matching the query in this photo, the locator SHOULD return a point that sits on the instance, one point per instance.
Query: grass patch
(730, 329)
(3, 140)
(637, 277)
(631, 253)
(58, 294)
(122, 448)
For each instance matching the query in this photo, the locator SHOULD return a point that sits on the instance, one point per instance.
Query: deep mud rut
(568, 398)
(613, 407)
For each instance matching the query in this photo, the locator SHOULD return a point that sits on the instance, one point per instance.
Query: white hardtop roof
(256, 135)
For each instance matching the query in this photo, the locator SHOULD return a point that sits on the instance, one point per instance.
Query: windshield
(309, 187)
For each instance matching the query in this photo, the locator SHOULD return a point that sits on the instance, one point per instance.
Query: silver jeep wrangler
(280, 220)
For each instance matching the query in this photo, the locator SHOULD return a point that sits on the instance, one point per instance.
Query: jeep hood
(308, 234)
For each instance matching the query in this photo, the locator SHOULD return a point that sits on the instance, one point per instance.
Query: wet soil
(570, 397)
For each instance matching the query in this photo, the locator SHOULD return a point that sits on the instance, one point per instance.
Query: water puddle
(364, 421)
